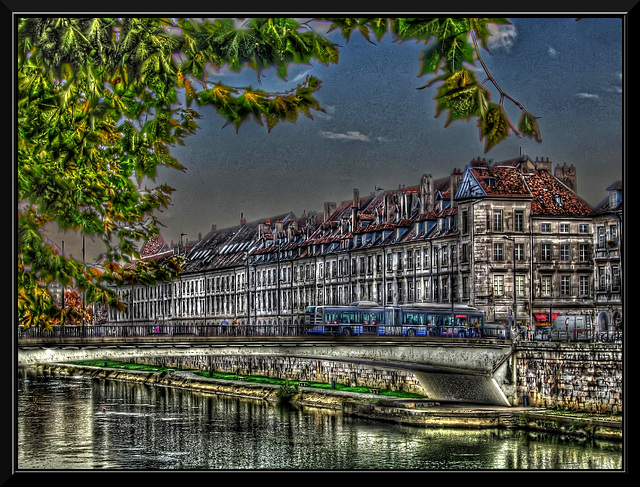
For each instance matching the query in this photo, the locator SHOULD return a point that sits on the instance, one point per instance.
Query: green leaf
(430, 60)
(494, 126)
(528, 126)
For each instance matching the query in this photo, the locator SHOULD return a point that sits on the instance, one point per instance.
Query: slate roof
(605, 205)
(228, 247)
(373, 224)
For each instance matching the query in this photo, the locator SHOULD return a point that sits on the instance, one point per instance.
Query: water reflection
(79, 423)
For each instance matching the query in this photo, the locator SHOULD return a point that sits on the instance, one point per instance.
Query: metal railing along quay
(121, 330)
(152, 329)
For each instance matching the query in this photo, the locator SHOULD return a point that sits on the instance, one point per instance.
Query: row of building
(511, 238)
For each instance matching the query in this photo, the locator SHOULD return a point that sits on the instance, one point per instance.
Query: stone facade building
(509, 237)
(607, 221)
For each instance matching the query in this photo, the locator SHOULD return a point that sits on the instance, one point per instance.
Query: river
(69, 423)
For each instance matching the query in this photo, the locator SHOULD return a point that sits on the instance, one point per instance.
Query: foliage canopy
(101, 101)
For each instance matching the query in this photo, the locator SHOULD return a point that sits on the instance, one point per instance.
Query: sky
(379, 129)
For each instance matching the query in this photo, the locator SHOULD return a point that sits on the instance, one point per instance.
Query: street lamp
(514, 305)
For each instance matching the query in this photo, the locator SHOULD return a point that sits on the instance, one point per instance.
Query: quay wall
(573, 376)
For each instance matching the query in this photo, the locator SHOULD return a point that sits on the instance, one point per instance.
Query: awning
(545, 316)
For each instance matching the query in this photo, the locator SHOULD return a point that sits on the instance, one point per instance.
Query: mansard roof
(610, 204)
(228, 247)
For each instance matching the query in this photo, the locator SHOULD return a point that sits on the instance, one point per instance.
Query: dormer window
(558, 200)
(490, 182)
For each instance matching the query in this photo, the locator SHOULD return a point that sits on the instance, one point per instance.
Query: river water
(70, 423)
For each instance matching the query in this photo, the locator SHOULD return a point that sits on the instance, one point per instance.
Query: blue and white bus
(419, 319)
(359, 318)
(433, 319)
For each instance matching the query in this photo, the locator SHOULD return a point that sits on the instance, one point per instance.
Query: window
(583, 228)
(564, 228)
(584, 253)
(545, 286)
(518, 221)
(615, 277)
(584, 285)
(519, 285)
(601, 237)
(565, 285)
(545, 227)
(464, 217)
(498, 251)
(613, 234)
(545, 252)
(519, 251)
(498, 286)
(497, 220)
(564, 252)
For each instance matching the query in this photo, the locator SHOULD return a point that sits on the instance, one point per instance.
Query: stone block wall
(301, 369)
(573, 376)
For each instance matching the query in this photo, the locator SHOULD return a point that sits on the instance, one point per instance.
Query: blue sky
(379, 130)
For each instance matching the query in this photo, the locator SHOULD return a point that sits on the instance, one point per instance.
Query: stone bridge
(451, 369)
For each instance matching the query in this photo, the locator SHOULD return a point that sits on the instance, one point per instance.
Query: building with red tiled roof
(526, 241)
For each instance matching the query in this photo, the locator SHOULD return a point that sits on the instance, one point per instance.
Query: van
(571, 327)
(495, 330)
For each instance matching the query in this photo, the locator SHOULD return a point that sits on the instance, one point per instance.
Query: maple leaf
(528, 125)
(494, 126)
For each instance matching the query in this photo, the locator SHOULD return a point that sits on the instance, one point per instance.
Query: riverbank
(414, 412)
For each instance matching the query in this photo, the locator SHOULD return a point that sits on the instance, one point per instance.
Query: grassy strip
(248, 378)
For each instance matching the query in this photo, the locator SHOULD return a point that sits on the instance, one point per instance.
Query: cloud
(617, 88)
(502, 37)
(346, 136)
(592, 96)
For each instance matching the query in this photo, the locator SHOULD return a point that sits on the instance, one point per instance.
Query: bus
(433, 319)
(359, 318)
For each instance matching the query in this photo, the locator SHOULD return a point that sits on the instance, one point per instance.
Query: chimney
(242, 219)
(355, 205)
(329, 209)
(454, 183)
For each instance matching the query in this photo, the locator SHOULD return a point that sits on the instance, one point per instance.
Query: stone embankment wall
(301, 369)
(573, 376)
